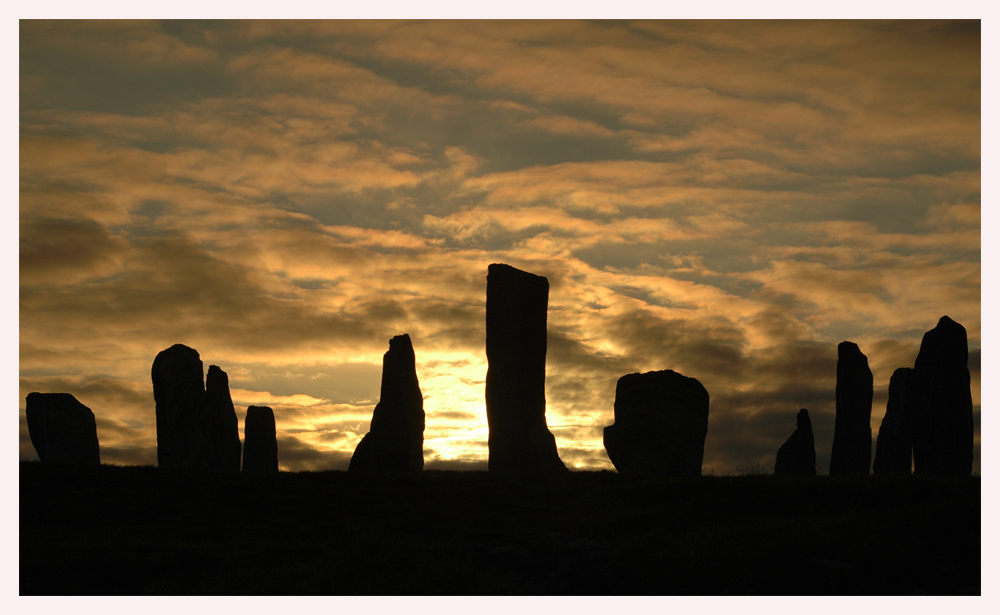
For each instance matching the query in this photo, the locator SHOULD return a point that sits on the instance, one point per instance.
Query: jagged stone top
(401, 343)
(802, 422)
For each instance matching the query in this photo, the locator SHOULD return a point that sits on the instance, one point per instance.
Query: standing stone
(852, 435)
(798, 454)
(195, 427)
(260, 442)
(661, 420)
(222, 426)
(894, 446)
(942, 422)
(395, 441)
(179, 394)
(516, 306)
(62, 430)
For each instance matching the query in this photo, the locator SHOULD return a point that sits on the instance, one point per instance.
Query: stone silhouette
(661, 420)
(894, 446)
(260, 443)
(223, 430)
(942, 408)
(798, 454)
(395, 441)
(195, 428)
(61, 429)
(516, 312)
(852, 435)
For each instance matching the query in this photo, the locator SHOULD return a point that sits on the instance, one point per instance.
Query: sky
(725, 199)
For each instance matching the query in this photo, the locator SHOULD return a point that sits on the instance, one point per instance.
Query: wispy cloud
(726, 199)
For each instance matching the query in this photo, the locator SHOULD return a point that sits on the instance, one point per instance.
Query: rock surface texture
(516, 312)
(260, 442)
(395, 441)
(798, 454)
(942, 407)
(894, 446)
(852, 435)
(661, 419)
(195, 428)
(62, 430)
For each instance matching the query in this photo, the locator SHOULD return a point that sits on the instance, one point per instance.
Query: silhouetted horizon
(727, 200)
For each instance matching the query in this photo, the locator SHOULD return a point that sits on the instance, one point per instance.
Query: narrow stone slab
(62, 430)
(395, 440)
(260, 441)
(894, 446)
(516, 313)
(852, 435)
(661, 420)
(222, 426)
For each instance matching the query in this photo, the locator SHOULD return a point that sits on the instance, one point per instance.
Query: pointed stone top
(947, 344)
(802, 420)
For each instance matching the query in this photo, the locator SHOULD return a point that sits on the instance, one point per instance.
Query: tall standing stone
(222, 426)
(179, 393)
(852, 435)
(894, 446)
(395, 441)
(516, 306)
(195, 427)
(798, 454)
(661, 420)
(943, 426)
(62, 430)
(260, 442)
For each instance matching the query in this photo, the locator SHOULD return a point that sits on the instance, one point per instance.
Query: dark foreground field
(138, 530)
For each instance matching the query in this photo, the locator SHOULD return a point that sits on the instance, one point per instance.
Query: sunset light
(725, 199)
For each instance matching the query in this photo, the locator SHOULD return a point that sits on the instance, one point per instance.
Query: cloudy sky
(729, 200)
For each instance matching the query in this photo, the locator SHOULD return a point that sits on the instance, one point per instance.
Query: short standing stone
(894, 446)
(62, 429)
(516, 306)
(942, 423)
(661, 420)
(395, 441)
(798, 454)
(260, 443)
(222, 426)
(852, 435)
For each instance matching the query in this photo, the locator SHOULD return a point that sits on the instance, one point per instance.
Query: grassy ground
(139, 530)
